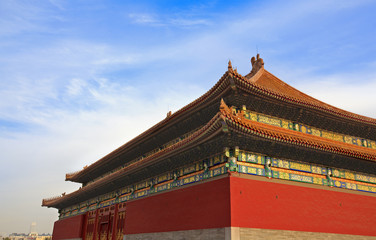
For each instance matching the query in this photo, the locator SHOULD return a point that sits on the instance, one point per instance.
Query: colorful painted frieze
(354, 186)
(163, 178)
(372, 144)
(269, 120)
(353, 176)
(308, 130)
(300, 167)
(252, 170)
(190, 174)
(365, 188)
(216, 160)
(247, 162)
(251, 157)
(92, 207)
(363, 178)
(163, 187)
(299, 177)
(254, 164)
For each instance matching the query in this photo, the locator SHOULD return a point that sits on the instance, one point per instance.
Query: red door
(103, 223)
(120, 222)
(90, 225)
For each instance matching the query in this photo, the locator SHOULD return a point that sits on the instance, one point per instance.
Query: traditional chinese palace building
(252, 158)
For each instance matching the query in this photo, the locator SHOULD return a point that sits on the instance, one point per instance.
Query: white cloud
(163, 21)
(143, 18)
(75, 87)
(34, 166)
(345, 92)
(189, 22)
(58, 3)
(20, 17)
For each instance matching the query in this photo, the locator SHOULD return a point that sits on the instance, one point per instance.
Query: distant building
(33, 230)
(32, 235)
(3, 236)
(22, 236)
(252, 158)
(18, 236)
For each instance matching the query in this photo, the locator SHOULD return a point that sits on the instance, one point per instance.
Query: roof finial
(230, 65)
(257, 64)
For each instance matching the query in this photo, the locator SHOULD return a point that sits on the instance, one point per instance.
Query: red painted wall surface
(68, 228)
(250, 203)
(199, 206)
(259, 204)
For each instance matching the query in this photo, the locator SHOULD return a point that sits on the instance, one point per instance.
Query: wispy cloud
(160, 21)
(189, 22)
(143, 18)
(23, 17)
(344, 91)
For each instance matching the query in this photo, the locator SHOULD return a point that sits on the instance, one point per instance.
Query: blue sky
(80, 78)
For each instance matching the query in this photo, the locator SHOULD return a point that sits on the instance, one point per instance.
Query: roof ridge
(323, 107)
(321, 102)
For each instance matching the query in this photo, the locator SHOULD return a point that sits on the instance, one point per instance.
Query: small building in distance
(32, 235)
(252, 158)
(23, 236)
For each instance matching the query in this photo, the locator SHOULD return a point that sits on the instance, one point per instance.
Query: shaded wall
(69, 228)
(200, 206)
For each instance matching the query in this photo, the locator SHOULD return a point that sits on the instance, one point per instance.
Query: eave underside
(185, 123)
(213, 141)
(204, 150)
(245, 142)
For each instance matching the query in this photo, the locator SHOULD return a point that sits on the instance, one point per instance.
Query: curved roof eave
(237, 123)
(211, 129)
(298, 138)
(214, 93)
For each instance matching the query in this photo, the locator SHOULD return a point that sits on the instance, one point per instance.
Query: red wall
(68, 228)
(251, 204)
(199, 206)
(259, 204)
